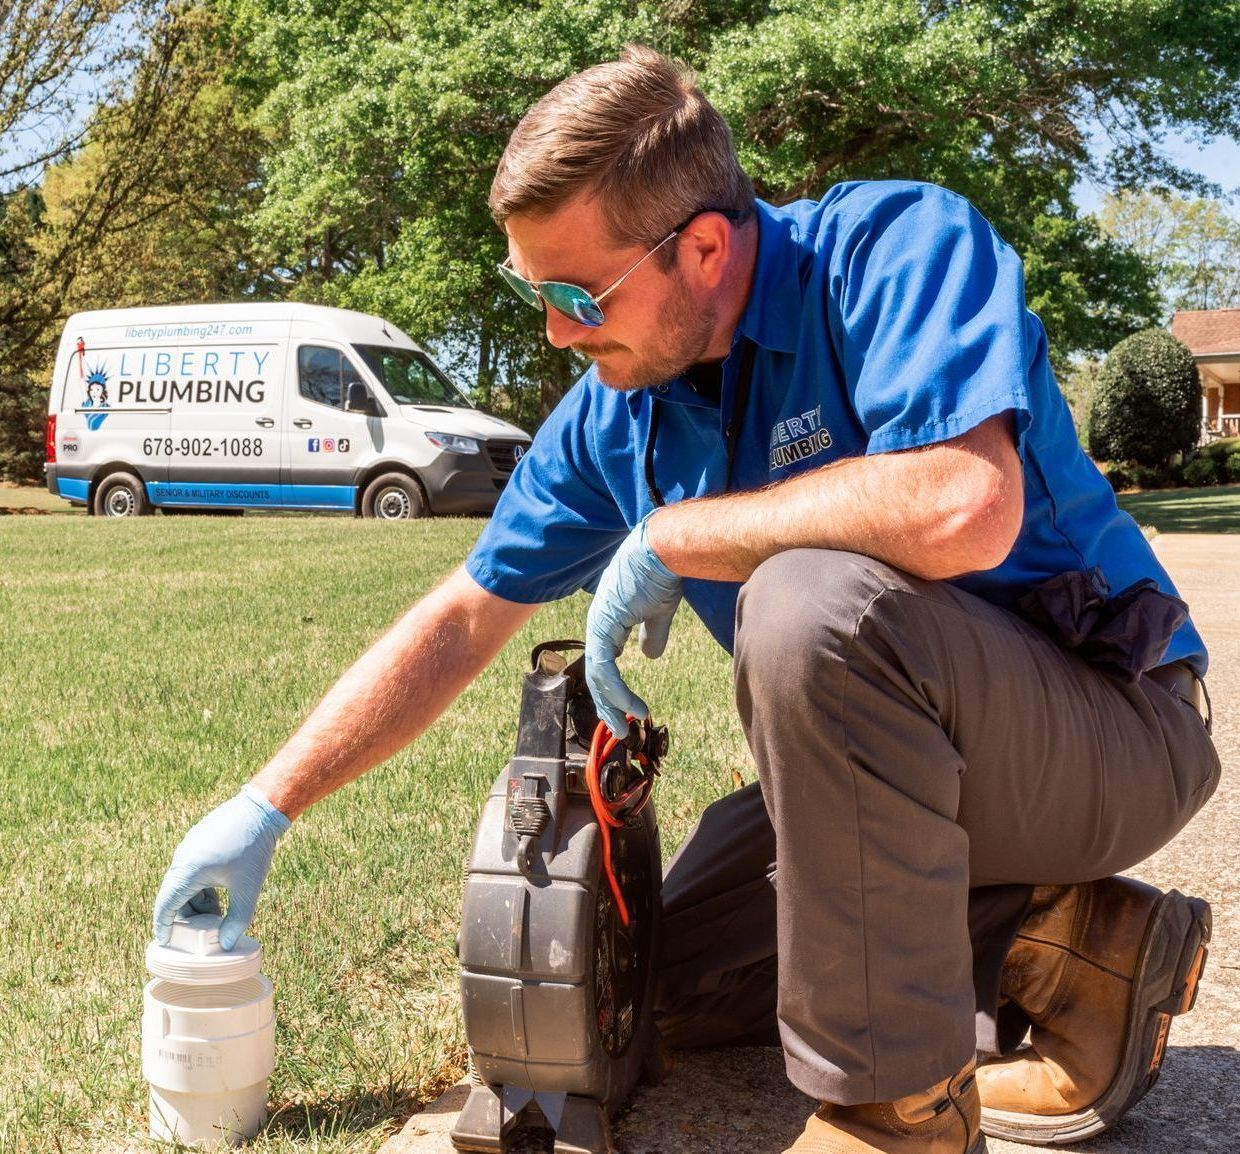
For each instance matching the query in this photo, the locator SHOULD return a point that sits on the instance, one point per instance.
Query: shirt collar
(678, 391)
(772, 316)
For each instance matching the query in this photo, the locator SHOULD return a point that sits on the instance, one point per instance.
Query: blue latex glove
(231, 847)
(636, 588)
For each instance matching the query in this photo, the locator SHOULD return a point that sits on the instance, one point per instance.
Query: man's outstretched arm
(387, 698)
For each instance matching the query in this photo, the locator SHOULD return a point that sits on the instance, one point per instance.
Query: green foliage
(1147, 402)
(150, 209)
(387, 131)
(1118, 477)
(1088, 290)
(1201, 471)
(1192, 243)
(987, 98)
(1077, 384)
(1221, 449)
(343, 153)
(23, 417)
(1231, 466)
(1145, 477)
(22, 401)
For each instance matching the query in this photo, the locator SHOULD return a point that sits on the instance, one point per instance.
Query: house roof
(1208, 330)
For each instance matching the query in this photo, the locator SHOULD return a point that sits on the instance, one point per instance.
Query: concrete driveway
(738, 1102)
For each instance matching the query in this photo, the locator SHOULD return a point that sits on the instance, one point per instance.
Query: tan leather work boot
(942, 1120)
(1099, 969)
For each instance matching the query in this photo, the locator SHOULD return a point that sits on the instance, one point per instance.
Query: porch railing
(1226, 425)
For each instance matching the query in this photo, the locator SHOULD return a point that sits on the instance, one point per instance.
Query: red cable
(607, 819)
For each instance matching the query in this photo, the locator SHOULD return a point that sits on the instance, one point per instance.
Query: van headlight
(451, 443)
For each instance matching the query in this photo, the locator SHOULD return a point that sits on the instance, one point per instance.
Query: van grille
(504, 454)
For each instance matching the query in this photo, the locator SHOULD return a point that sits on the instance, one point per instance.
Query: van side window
(325, 375)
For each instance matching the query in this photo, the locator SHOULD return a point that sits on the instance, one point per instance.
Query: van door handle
(265, 422)
(302, 423)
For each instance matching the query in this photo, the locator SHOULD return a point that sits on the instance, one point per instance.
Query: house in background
(1213, 337)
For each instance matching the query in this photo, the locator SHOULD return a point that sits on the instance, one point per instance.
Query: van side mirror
(359, 400)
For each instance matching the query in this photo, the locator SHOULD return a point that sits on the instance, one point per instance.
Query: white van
(286, 406)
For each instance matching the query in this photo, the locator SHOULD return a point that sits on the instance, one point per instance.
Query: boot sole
(1173, 955)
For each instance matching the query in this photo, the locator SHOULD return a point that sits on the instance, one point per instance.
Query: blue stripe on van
(250, 496)
(318, 496)
(73, 488)
(166, 493)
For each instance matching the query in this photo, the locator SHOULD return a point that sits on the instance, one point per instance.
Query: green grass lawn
(36, 497)
(1213, 510)
(147, 668)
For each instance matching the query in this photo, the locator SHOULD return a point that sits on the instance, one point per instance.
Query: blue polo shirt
(886, 316)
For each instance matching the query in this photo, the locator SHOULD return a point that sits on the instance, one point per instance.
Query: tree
(152, 208)
(182, 234)
(1078, 384)
(57, 59)
(389, 131)
(1089, 290)
(1146, 404)
(1193, 243)
(391, 124)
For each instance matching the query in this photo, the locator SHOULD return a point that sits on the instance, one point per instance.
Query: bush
(1231, 466)
(1146, 405)
(1201, 471)
(1219, 451)
(1146, 478)
(1118, 476)
(23, 419)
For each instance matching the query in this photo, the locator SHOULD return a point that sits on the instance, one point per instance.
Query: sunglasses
(574, 302)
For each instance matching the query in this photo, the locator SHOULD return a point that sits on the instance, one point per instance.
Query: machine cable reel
(559, 922)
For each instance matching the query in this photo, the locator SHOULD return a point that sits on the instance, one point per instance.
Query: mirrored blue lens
(521, 287)
(573, 301)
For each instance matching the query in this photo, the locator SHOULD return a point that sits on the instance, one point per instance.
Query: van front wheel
(120, 495)
(393, 497)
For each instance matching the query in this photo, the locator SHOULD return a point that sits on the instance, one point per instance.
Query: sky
(1216, 160)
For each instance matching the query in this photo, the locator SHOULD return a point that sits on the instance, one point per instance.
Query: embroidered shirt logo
(798, 438)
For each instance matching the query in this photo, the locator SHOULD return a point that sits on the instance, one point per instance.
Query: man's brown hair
(635, 132)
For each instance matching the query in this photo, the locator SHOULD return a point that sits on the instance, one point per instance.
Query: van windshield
(411, 377)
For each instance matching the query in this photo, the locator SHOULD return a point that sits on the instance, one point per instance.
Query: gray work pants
(924, 757)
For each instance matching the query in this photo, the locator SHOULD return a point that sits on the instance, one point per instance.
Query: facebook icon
(314, 444)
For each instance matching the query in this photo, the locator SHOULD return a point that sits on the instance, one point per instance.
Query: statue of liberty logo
(96, 397)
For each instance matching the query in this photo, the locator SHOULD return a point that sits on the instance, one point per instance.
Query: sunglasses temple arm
(611, 288)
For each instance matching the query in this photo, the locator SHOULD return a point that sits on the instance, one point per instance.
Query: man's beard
(684, 334)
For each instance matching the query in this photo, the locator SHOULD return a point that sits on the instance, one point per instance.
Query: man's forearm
(392, 692)
(938, 512)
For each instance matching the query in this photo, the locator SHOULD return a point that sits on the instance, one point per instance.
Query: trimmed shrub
(1219, 451)
(1201, 471)
(1231, 466)
(1146, 478)
(1118, 477)
(1146, 405)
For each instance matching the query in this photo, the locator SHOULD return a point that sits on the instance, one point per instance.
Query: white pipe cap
(193, 953)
